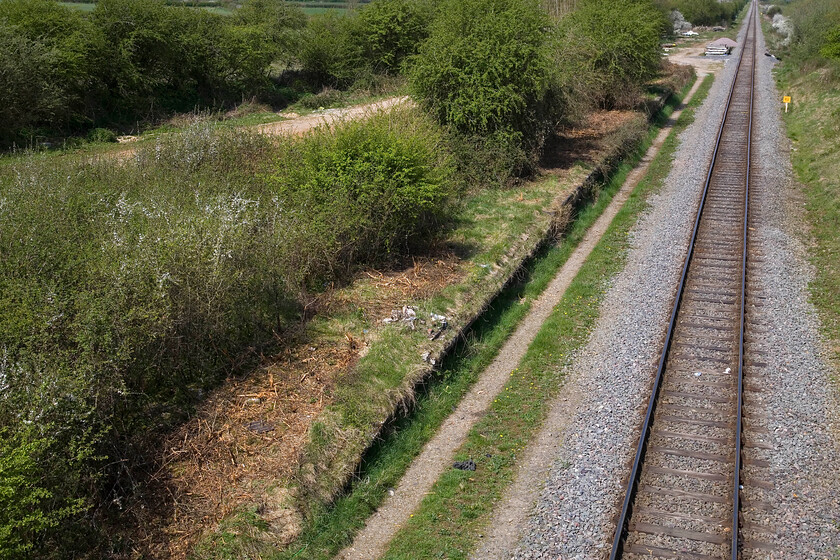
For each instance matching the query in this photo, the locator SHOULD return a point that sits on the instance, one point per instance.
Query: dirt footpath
(438, 453)
(328, 117)
(294, 126)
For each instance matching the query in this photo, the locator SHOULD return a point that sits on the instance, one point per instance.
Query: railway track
(684, 495)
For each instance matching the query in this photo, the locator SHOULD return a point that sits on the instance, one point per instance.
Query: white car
(690, 34)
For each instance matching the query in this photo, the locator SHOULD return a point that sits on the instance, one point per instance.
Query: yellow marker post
(786, 100)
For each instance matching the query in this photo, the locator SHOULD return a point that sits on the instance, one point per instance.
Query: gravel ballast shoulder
(796, 395)
(609, 381)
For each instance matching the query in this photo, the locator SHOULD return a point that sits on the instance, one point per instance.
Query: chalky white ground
(590, 435)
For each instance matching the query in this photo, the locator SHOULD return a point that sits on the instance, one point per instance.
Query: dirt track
(298, 125)
(301, 125)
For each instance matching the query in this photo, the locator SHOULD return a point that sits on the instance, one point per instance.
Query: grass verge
(332, 528)
(813, 125)
(451, 516)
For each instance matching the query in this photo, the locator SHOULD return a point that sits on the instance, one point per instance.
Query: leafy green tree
(176, 58)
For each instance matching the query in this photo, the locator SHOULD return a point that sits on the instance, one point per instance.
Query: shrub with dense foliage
(338, 50)
(831, 44)
(365, 194)
(126, 290)
(485, 67)
(485, 73)
(608, 49)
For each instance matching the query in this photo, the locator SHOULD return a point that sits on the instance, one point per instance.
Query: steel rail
(736, 505)
(632, 487)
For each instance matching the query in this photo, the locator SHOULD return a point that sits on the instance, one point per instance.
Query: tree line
(67, 72)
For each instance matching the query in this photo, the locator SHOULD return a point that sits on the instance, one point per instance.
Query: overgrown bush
(831, 44)
(102, 135)
(123, 291)
(330, 51)
(607, 50)
(363, 194)
(133, 59)
(325, 98)
(376, 39)
(816, 31)
(392, 30)
(126, 290)
(485, 72)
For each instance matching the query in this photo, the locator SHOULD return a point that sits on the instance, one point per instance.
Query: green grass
(81, 6)
(813, 124)
(449, 519)
(330, 529)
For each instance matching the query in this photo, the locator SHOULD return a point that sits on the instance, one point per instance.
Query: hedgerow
(131, 59)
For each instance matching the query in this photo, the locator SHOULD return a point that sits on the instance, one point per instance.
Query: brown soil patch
(377, 292)
(581, 143)
(329, 117)
(248, 435)
(692, 54)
